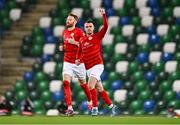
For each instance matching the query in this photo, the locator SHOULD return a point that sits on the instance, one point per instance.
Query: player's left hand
(61, 48)
(77, 62)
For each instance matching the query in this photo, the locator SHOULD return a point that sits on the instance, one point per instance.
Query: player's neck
(90, 34)
(71, 28)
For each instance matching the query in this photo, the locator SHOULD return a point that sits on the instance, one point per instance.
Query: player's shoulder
(83, 37)
(64, 31)
(78, 29)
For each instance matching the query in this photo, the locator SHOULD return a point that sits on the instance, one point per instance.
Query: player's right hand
(102, 11)
(61, 48)
(77, 62)
(72, 41)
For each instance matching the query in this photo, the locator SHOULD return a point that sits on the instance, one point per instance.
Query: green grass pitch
(84, 119)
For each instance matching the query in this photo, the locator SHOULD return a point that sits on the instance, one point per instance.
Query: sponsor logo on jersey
(90, 38)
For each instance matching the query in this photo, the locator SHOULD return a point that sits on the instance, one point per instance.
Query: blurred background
(141, 52)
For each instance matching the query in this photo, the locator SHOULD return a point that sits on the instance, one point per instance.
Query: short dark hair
(89, 21)
(73, 15)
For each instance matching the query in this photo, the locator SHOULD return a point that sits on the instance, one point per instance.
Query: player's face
(70, 21)
(89, 28)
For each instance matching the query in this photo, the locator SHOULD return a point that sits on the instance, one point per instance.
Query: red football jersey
(70, 50)
(90, 47)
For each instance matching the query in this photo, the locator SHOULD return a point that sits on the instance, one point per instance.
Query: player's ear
(93, 27)
(75, 21)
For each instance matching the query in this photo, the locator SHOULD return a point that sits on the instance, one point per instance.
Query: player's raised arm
(105, 23)
(103, 13)
(78, 55)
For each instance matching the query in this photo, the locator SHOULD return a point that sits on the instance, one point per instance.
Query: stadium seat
(6, 23)
(147, 21)
(121, 66)
(45, 22)
(149, 106)
(136, 21)
(37, 32)
(144, 95)
(169, 47)
(124, 20)
(166, 38)
(130, 3)
(115, 30)
(155, 12)
(121, 48)
(55, 85)
(176, 12)
(77, 11)
(58, 30)
(150, 30)
(167, 57)
(108, 39)
(144, 11)
(159, 68)
(135, 105)
(113, 21)
(174, 29)
(144, 48)
(85, 4)
(154, 57)
(37, 50)
(11, 11)
(52, 112)
(162, 29)
(49, 49)
(122, 12)
(176, 86)
(128, 30)
(171, 66)
(120, 95)
(94, 4)
(56, 21)
(15, 14)
(87, 13)
(49, 67)
(118, 4)
(96, 13)
(169, 95)
(154, 39)
(142, 39)
(141, 3)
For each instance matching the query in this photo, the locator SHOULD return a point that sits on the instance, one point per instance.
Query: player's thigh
(67, 71)
(92, 82)
(80, 72)
(96, 71)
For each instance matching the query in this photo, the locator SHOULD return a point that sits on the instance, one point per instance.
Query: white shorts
(74, 70)
(96, 71)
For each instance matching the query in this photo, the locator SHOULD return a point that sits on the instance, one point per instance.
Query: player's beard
(89, 32)
(69, 25)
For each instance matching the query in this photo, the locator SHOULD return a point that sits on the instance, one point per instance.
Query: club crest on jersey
(72, 34)
(90, 38)
(86, 44)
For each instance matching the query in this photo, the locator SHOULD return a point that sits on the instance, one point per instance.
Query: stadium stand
(141, 56)
(11, 11)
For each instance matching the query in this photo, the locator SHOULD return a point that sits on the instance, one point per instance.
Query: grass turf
(83, 119)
